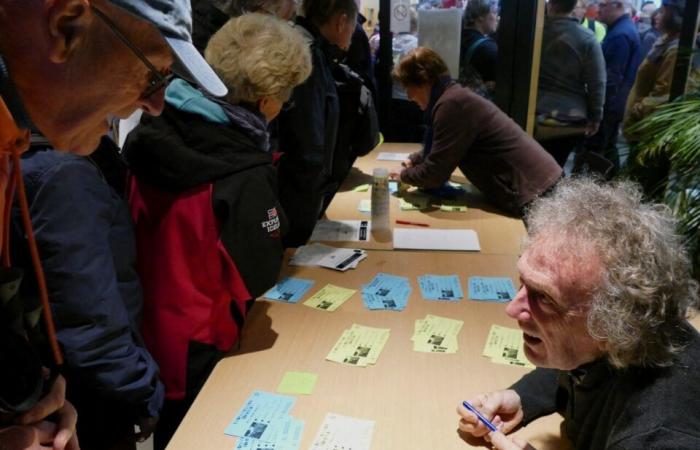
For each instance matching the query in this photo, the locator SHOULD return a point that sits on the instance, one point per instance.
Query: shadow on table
(258, 334)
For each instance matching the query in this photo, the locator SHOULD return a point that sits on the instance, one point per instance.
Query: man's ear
(68, 25)
(341, 21)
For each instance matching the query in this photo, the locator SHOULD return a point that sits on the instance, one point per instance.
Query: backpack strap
(472, 48)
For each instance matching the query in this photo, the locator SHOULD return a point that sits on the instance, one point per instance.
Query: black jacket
(307, 139)
(606, 408)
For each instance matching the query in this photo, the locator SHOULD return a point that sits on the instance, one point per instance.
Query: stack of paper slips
(359, 346)
(326, 256)
(505, 346)
(439, 287)
(264, 422)
(386, 292)
(289, 290)
(340, 432)
(436, 334)
(491, 289)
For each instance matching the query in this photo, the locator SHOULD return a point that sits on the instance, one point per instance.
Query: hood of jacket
(195, 140)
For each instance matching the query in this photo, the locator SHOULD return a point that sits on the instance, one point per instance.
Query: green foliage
(672, 134)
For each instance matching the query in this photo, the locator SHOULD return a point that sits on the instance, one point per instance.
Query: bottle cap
(380, 172)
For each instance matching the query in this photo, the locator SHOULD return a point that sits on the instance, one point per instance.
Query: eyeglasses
(156, 80)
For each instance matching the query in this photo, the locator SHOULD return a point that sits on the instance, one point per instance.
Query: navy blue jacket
(622, 53)
(86, 241)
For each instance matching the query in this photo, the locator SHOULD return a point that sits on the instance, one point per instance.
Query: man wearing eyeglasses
(66, 67)
(622, 53)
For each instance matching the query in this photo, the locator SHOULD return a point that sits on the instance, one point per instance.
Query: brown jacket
(492, 151)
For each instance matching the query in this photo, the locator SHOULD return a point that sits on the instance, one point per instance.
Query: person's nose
(155, 103)
(519, 308)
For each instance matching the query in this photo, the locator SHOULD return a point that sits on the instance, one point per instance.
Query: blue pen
(483, 419)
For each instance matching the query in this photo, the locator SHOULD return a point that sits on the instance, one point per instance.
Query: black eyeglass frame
(156, 80)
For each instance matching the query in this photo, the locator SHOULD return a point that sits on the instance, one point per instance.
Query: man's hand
(591, 128)
(502, 408)
(502, 442)
(63, 431)
(39, 436)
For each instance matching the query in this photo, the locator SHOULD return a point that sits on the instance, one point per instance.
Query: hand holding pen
(495, 430)
(502, 409)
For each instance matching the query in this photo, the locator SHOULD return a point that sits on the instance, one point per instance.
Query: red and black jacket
(208, 223)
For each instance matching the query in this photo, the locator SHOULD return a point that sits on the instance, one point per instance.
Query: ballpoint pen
(408, 222)
(483, 419)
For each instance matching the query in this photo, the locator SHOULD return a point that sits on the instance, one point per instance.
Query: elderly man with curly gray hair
(604, 300)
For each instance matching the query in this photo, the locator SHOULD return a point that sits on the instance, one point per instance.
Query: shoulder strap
(472, 49)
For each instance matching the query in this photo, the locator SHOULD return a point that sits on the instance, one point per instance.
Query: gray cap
(174, 20)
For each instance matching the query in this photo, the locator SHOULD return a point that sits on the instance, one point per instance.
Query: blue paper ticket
(386, 292)
(289, 290)
(440, 287)
(289, 438)
(264, 416)
(493, 289)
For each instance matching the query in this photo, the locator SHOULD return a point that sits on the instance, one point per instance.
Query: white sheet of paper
(343, 433)
(436, 239)
(341, 230)
(310, 255)
(388, 156)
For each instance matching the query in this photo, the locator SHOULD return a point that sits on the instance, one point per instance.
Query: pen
(407, 222)
(483, 419)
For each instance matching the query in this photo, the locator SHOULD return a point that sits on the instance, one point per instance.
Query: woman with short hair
(205, 206)
(478, 50)
(470, 132)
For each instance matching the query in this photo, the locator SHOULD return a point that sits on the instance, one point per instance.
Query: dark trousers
(561, 148)
(201, 360)
(604, 142)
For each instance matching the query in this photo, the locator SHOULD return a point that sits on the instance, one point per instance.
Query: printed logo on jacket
(272, 224)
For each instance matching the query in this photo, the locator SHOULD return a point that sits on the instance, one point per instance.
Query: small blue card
(440, 287)
(491, 289)
(387, 292)
(289, 290)
(264, 416)
(289, 439)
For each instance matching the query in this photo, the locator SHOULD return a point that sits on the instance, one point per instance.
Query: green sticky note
(361, 188)
(297, 383)
(453, 208)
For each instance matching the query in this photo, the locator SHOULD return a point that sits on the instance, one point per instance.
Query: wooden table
(498, 234)
(411, 396)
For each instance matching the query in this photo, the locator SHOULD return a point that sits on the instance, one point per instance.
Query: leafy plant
(669, 146)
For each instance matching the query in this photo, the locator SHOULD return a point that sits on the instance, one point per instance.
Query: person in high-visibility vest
(580, 12)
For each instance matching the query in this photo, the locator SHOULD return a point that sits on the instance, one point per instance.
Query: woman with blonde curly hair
(204, 201)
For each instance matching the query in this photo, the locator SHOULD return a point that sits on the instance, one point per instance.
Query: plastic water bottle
(380, 204)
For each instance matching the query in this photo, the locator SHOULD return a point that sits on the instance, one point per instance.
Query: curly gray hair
(647, 290)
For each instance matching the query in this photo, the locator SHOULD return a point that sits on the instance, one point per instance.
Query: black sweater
(636, 408)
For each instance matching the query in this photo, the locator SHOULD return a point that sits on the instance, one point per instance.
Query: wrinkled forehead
(569, 262)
